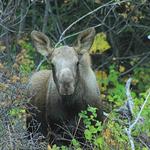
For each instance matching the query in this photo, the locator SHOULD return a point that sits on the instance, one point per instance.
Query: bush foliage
(120, 51)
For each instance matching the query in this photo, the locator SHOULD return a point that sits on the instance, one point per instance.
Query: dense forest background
(120, 56)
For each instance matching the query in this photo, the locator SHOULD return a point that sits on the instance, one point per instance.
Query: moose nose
(66, 82)
(66, 76)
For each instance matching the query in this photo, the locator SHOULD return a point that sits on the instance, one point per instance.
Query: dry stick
(139, 114)
(75, 22)
(74, 134)
(132, 56)
(10, 137)
(27, 10)
(81, 18)
(129, 103)
(135, 65)
(41, 62)
(21, 19)
(22, 23)
(45, 20)
(129, 130)
(98, 25)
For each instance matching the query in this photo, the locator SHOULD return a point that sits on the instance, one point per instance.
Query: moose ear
(41, 43)
(85, 40)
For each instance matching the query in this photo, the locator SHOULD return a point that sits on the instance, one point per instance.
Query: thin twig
(129, 103)
(129, 130)
(74, 34)
(135, 65)
(91, 12)
(41, 62)
(139, 114)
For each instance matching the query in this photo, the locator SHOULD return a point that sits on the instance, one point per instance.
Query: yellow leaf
(3, 86)
(98, 1)
(14, 79)
(101, 75)
(24, 79)
(103, 96)
(124, 15)
(121, 68)
(135, 81)
(15, 66)
(107, 134)
(100, 43)
(20, 42)
(1, 66)
(108, 137)
(2, 47)
(49, 147)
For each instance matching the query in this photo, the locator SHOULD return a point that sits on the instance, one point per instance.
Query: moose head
(65, 60)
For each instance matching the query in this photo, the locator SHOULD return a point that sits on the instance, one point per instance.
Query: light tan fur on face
(64, 60)
(72, 83)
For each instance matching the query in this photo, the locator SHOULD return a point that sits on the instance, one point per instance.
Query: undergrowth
(109, 135)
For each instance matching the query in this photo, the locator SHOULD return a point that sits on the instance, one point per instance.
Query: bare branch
(91, 12)
(127, 110)
(129, 103)
(139, 114)
(129, 130)
(145, 57)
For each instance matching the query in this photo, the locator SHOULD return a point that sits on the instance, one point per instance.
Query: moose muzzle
(66, 82)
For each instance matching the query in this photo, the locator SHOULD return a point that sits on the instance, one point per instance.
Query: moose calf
(70, 86)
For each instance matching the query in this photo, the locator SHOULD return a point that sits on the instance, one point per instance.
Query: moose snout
(66, 82)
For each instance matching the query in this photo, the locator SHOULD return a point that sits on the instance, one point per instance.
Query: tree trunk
(45, 16)
(23, 18)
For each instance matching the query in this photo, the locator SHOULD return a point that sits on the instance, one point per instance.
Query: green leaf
(88, 134)
(99, 141)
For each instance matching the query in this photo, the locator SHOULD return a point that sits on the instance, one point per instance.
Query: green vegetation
(120, 51)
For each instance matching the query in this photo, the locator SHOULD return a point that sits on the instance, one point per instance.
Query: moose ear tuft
(41, 43)
(85, 40)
